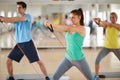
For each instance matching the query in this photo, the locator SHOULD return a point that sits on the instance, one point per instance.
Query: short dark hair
(23, 4)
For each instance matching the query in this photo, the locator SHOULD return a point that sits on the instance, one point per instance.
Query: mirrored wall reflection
(59, 14)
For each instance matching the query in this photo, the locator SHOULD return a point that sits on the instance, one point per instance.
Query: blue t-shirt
(23, 30)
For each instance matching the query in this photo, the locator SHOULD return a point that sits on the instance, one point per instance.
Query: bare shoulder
(82, 30)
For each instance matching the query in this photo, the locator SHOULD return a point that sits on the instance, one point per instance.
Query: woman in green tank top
(74, 38)
(111, 43)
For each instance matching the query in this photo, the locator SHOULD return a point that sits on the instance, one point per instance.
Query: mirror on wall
(58, 14)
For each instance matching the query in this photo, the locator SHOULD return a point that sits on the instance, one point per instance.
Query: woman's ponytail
(82, 16)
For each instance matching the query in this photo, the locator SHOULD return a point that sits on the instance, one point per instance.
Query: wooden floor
(51, 54)
(52, 57)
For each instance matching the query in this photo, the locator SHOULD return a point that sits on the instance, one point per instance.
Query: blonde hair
(113, 13)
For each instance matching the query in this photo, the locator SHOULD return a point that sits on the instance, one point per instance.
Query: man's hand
(1, 18)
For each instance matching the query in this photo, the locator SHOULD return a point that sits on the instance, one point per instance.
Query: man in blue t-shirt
(25, 45)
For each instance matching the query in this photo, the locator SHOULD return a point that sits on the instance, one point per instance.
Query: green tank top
(38, 23)
(74, 46)
(112, 38)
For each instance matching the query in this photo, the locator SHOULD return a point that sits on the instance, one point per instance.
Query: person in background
(111, 43)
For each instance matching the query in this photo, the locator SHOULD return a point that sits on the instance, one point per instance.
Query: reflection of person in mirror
(67, 20)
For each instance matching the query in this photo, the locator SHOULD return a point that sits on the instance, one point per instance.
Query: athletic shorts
(26, 48)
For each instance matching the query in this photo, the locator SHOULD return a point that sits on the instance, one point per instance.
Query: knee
(97, 61)
(40, 62)
(8, 61)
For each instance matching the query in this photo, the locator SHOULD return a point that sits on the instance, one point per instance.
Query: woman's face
(75, 19)
(113, 18)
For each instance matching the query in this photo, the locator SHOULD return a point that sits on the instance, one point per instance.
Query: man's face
(20, 9)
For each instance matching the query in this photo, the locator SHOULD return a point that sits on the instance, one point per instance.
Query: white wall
(47, 9)
(34, 10)
(116, 8)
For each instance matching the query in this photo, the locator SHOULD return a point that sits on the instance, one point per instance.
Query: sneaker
(96, 77)
(10, 78)
(102, 76)
(47, 78)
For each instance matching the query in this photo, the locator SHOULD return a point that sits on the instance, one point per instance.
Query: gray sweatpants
(65, 65)
(106, 51)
